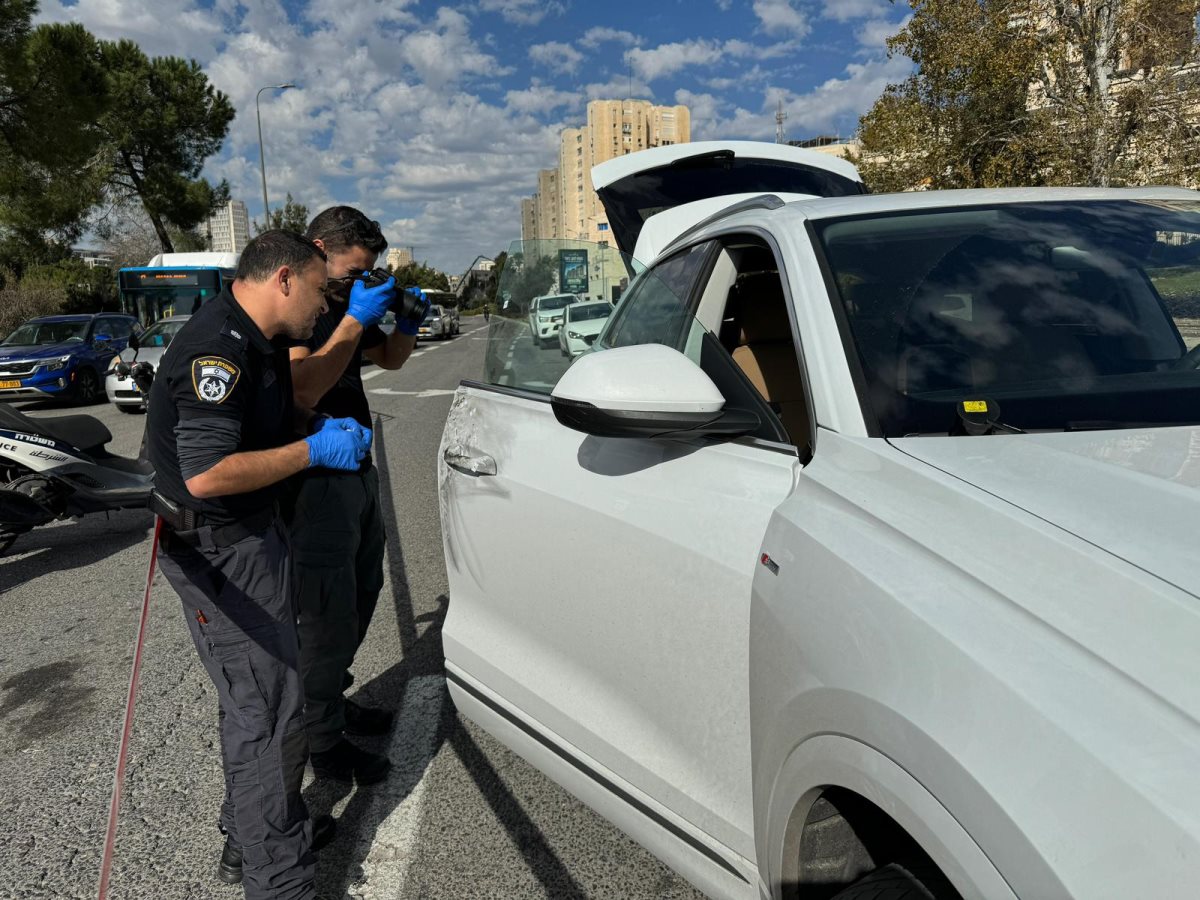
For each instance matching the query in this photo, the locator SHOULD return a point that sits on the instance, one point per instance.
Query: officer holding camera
(223, 433)
(337, 529)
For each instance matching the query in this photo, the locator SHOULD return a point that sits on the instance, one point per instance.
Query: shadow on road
(342, 864)
(69, 545)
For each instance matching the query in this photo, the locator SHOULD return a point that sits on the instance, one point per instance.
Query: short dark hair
(269, 251)
(342, 227)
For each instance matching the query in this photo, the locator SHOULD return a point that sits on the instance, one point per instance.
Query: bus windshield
(151, 294)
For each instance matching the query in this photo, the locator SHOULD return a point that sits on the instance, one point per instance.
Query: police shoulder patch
(214, 378)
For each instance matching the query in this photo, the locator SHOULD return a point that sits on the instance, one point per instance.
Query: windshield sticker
(214, 378)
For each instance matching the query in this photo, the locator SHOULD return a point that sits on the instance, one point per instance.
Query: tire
(895, 882)
(87, 387)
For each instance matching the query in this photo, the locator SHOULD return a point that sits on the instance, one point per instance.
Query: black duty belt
(189, 527)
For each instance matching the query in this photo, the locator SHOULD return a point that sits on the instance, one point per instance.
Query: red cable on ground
(110, 836)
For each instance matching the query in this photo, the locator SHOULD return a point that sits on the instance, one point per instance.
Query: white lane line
(367, 376)
(397, 804)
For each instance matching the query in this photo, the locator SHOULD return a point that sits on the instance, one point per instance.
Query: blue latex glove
(408, 326)
(368, 304)
(338, 444)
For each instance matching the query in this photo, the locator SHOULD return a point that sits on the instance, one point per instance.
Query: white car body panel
(661, 229)
(574, 346)
(609, 694)
(1014, 618)
(993, 639)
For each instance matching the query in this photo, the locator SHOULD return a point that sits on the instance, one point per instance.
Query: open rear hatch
(637, 186)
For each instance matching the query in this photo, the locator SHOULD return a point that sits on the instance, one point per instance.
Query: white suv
(858, 556)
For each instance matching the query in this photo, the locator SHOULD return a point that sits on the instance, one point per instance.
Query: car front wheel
(87, 386)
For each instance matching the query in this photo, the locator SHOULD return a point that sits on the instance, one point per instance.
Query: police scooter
(60, 467)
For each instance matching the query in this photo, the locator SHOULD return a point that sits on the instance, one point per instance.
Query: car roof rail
(762, 201)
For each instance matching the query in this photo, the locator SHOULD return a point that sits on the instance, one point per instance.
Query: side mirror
(133, 341)
(646, 391)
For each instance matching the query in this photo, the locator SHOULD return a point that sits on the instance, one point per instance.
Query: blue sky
(435, 117)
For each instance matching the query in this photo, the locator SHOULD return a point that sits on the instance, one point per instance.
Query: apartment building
(567, 207)
(229, 228)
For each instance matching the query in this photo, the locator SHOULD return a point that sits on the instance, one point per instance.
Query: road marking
(397, 804)
(430, 392)
(373, 373)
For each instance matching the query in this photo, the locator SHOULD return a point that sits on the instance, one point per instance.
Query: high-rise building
(547, 204)
(229, 228)
(566, 206)
(399, 257)
(529, 223)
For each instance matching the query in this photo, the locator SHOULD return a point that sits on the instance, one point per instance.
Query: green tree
(1117, 92)
(52, 92)
(960, 119)
(163, 121)
(421, 275)
(1028, 92)
(293, 217)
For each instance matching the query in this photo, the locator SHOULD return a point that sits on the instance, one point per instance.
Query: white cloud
(541, 98)
(523, 12)
(667, 59)
(703, 107)
(171, 27)
(847, 10)
(594, 37)
(872, 35)
(557, 56)
(724, 5)
(780, 17)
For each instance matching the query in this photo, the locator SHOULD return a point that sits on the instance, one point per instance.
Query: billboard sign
(573, 271)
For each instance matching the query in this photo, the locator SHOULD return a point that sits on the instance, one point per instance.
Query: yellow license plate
(4, 385)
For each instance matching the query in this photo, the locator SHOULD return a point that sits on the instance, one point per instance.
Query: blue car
(62, 357)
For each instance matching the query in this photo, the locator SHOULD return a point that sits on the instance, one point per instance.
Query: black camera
(405, 306)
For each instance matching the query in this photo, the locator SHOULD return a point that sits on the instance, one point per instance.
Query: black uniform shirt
(222, 388)
(346, 398)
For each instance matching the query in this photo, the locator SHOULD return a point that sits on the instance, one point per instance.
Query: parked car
(151, 345)
(546, 317)
(581, 325)
(62, 357)
(877, 514)
(436, 324)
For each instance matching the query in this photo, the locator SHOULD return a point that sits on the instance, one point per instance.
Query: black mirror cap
(591, 419)
(133, 341)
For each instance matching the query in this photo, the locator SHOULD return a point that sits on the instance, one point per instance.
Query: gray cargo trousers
(338, 541)
(238, 604)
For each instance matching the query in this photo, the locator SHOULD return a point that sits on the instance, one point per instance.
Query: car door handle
(469, 463)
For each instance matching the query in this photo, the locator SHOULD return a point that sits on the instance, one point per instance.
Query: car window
(656, 310)
(117, 328)
(528, 351)
(1066, 314)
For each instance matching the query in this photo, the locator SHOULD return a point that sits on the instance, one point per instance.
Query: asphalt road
(460, 817)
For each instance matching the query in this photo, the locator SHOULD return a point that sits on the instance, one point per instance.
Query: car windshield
(33, 334)
(588, 311)
(1070, 315)
(159, 334)
(545, 304)
(432, 313)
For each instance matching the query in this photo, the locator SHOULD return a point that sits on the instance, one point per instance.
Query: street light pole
(262, 162)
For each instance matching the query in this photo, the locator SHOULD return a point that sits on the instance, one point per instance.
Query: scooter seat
(81, 432)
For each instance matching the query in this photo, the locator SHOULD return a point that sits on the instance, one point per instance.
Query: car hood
(1134, 494)
(37, 351)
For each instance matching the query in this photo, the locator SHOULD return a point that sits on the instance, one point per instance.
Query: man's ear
(320, 244)
(284, 276)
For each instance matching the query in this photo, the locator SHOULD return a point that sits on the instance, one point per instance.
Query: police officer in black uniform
(223, 432)
(338, 530)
